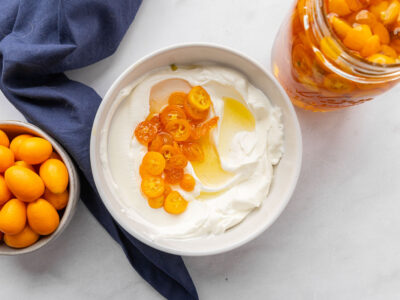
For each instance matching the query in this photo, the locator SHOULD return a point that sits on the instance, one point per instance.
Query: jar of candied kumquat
(331, 54)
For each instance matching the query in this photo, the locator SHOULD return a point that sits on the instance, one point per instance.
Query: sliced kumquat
(378, 8)
(179, 129)
(357, 37)
(155, 119)
(354, 5)
(194, 113)
(145, 132)
(177, 98)
(388, 51)
(175, 204)
(156, 202)
(381, 59)
(301, 60)
(153, 163)
(171, 112)
(178, 161)
(365, 17)
(168, 151)
(173, 176)
(142, 171)
(390, 15)
(187, 183)
(193, 151)
(152, 186)
(167, 190)
(337, 84)
(380, 30)
(340, 26)
(372, 46)
(199, 99)
(339, 7)
(162, 138)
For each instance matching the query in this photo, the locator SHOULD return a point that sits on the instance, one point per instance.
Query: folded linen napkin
(39, 40)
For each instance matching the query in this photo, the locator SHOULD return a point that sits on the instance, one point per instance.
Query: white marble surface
(338, 237)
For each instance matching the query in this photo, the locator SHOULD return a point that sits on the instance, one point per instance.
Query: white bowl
(14, 128)
(285, 175)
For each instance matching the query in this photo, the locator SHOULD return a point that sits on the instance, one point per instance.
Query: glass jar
(317, 70)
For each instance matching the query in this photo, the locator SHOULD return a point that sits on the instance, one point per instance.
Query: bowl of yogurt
(252, 157)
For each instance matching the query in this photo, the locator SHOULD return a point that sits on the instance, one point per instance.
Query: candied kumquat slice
(330, 48)
(378, 8)
(380, 30)
(168, 151)
(177, 98)
(381, 59)
(365, 17)
(357, 37)
(178, 161)
(142, 171)
(339, 7)
(389, 51)
(167, 190)
(173, 176)
(354, 5)
(193, 151)
(179, 129)
(301, 60)
(193, 113)
(199, 99)
(340, 26)
(390, 15)
(337, 84)
(162, 138)
(153, 163)
(156, 202)
(372, 46)
(200, 130)
(152, 186)
(155, 119)
(187, 183)
(171, 112)
(175, 204)
(145, 132)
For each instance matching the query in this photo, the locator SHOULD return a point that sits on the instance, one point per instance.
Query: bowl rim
(96, 169)
(74, 190)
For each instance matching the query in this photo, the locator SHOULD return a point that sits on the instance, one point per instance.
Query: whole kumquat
(23, 239)
(6, 158)
(16, 143)
(4, 141)
(25, 184)
(13, 216)
(42, 217)
(34, 150)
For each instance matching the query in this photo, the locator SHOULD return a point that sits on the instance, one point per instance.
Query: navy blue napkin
(39, 40)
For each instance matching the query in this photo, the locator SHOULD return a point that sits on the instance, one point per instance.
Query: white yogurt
(250, 158)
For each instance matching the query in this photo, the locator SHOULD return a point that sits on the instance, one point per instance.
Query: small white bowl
(285, 175)
(14, 128)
